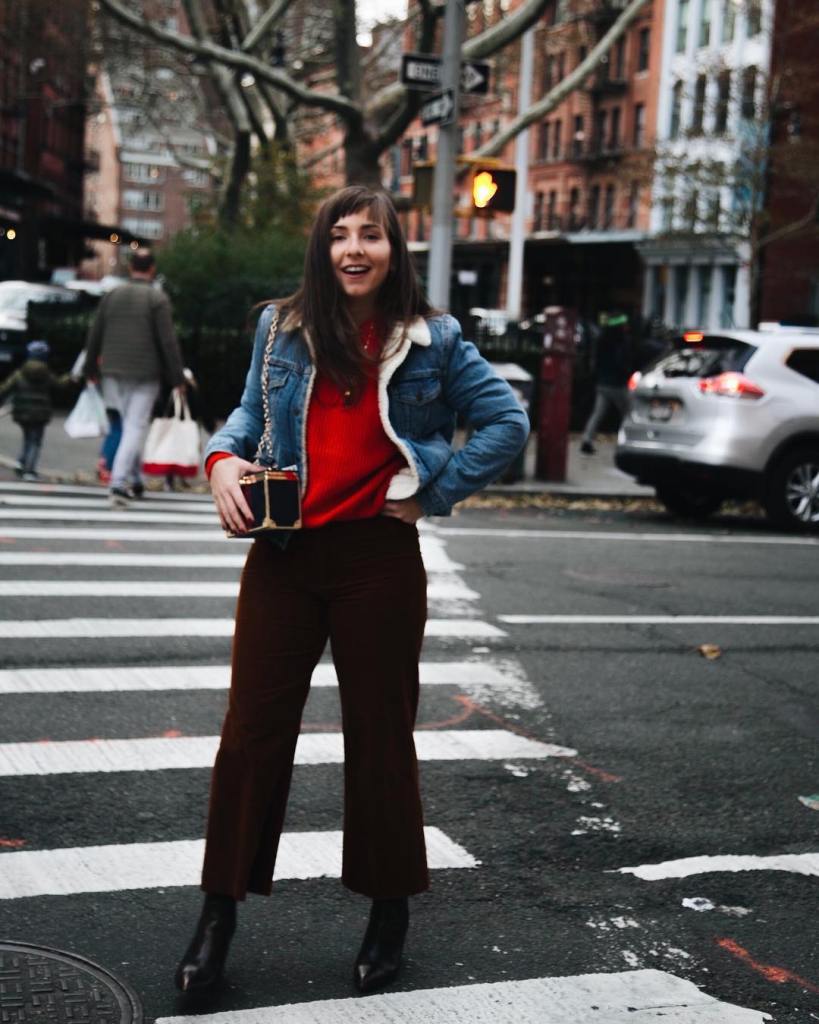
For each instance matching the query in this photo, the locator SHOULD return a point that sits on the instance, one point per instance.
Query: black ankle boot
(201, 966)
(379, 958)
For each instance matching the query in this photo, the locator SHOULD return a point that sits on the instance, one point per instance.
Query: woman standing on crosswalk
(364, 385)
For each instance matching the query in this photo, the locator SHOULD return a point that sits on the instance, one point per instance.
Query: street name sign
(423, 71)
(438, 109)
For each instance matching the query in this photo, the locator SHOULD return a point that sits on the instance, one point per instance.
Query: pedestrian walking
(365, 382)
(30, 388)
(612, 363)
(132, 347)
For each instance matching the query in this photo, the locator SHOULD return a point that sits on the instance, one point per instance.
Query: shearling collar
(418, 332)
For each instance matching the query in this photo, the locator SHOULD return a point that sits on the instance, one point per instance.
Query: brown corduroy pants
(363, 585)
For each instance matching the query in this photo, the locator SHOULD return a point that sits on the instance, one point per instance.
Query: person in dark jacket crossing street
(30, 388)
(132, 347)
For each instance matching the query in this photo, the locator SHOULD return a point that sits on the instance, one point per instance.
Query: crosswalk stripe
(609, 536)
(84, 490)
(94, 559)
(661, 620)
(108, 515)
(60, 629)
(799, 863)
(451, 589)
(66, 872)
(149, 536)
(217, 677)
(615, 998)
(28, 502)
(161, 753)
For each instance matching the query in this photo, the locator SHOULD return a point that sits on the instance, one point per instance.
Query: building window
(690, 209)
(680, 294)
(714, 211)
(548, 73)
(578, 136)
(723, 102)
(608, 207)
(142, 227)
(574, 209)
(667, 212)
(599, 130)
(594, 206)
(561, 67)
(729, 292)
(617, 67)
(556, 143)
(643, 49)
(639, 125)
(551, 211)
(705, 23)
(729, 20)
(747, 107)
(683, 11)
(614, 137)
(582, 53)
(698, 113)
(676, 110)
(538, 213)
(543, 141)
(142, 199)
(423, 147)
(195, 176)
(143, 172)
(633, 205)
(477, 134)
(753, 17)
(703, 295)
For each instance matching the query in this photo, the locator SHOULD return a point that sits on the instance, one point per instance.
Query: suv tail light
(634, 380)
(730, 385)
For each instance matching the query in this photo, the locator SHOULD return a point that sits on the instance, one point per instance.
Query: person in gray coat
(132, 348)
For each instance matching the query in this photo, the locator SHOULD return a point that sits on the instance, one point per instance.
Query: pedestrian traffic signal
(493, 190)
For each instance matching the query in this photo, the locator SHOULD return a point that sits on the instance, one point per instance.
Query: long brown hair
(320, 304)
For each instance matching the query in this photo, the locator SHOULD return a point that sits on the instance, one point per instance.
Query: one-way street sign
(423, 71)
(438, 109)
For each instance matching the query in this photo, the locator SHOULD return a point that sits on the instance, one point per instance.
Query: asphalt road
(599, 749)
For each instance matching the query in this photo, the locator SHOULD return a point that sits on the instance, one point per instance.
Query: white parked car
(730, 414)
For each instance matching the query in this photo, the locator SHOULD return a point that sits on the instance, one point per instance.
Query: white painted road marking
(111, 516)
(627, 997)
(217, 677)
(60, 629)
(100, 504)
(448, 588)
(611, 535)
(123, 561)
(66, 872)
(660, 620)
(160, 753)
(798, 863)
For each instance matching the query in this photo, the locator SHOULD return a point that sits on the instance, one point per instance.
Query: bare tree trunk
(239, 168)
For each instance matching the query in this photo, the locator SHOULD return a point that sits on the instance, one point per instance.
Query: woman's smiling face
(360, 253)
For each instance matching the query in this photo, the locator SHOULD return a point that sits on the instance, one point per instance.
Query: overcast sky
(371, 11)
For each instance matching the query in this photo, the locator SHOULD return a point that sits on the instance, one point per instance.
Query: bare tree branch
(505, 31)
(211, 51)
(809, 219)
(556, 96)
(275, 11)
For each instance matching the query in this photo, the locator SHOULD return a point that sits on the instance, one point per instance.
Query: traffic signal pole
(443, 183)
(514, 287)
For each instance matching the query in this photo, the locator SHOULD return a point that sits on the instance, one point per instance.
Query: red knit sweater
(350, 459)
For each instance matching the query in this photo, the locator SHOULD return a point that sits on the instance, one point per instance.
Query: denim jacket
(423, 385)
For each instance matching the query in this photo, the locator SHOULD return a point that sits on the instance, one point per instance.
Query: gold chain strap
(266, 442)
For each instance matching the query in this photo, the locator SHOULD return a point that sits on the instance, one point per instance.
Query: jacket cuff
(213, 458)
(433, 502)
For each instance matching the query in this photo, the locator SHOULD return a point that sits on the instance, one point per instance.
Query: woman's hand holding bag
(234, 511)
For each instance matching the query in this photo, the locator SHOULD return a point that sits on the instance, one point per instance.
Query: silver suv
(733, 414)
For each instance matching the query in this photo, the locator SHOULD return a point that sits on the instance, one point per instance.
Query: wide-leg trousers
(362, 585)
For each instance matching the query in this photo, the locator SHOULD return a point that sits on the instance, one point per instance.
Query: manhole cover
(46, 986)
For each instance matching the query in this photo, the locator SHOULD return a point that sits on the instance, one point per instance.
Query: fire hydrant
(559, 339)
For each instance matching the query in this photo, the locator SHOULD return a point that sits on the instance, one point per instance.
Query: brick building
(43, 50)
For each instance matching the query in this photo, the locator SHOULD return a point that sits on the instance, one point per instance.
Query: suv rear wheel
(685, 504)
(792, 495)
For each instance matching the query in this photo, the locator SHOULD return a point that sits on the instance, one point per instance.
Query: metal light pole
(443, 182)
(514, 288)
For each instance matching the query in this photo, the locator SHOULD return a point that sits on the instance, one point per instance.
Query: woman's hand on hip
(234, 511)
(408, 511)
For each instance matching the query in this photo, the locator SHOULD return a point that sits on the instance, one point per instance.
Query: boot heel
(379, 959)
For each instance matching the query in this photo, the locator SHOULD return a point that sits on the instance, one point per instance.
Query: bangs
(354, 200)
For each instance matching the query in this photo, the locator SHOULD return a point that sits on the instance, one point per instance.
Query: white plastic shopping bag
(172, 445)
(88, 417)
